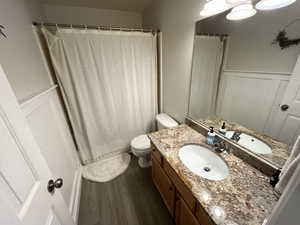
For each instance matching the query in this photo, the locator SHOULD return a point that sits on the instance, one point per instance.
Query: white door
(24, 174)
(289, 115)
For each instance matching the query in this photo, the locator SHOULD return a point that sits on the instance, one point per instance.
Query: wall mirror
(242, 76)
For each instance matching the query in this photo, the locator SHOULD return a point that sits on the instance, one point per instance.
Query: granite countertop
(280, 150)
(245, 197)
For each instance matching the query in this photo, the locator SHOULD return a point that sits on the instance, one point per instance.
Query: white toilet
(140, 145)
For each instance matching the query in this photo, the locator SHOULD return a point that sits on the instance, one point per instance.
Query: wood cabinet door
(183, 215)
(164, 185)
(202, 216)
(180, 187)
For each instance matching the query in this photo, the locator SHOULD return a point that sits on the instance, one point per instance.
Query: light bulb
(241, 12)
(235, 2)
(273, 4)
(214, 7)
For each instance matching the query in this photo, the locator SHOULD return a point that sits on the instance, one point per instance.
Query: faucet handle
(220, 146)
(236, 136)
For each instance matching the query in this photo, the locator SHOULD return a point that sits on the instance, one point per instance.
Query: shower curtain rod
(99, 27)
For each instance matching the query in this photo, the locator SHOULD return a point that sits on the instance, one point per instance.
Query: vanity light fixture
(213, 7)
(273, 4)
(241, 12)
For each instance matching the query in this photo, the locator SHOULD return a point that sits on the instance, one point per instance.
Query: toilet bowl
(140, 145)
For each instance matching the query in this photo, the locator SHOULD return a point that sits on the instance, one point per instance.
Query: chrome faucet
(221, 146)
(236, 136)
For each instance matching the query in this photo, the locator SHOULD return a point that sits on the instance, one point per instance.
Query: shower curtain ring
(71, 26)
(85, 26)
(56, 26)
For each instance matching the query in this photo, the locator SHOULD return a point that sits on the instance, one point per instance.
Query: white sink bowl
(203, 162)
(253, 144)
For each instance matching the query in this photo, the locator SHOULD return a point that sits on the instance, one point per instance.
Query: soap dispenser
(223, 129)
(211, 136)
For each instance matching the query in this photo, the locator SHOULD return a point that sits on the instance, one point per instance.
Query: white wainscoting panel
(47, 121)
(53, 219)
(18, 176)
(250, 98)
(75, 195)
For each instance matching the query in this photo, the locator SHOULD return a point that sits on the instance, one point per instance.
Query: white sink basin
(253, 144)
(203, 162)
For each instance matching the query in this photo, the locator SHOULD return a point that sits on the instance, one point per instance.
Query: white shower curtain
(207, 59)
(109, 82)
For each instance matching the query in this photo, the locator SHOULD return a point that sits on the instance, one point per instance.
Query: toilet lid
(141, 142)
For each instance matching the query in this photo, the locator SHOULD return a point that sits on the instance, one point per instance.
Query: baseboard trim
(75, 196)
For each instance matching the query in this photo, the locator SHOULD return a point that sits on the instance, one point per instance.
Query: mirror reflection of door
(285, 125)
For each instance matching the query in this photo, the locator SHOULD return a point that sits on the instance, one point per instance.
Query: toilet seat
(141, 143)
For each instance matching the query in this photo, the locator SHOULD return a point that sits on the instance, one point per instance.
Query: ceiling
(123, 5)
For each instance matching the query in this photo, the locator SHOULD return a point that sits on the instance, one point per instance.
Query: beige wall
(176, 19)
(19, 55)
(91, 16)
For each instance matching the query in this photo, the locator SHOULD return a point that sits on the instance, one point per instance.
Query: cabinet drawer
(180, 186)
(202, 216)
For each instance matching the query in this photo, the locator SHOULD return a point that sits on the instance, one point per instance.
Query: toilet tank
(165, 121)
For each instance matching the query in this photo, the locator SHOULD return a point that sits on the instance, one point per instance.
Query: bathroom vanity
(244, 197)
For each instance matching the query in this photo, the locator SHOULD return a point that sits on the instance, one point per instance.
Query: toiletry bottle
(223, 130)
(211, 136)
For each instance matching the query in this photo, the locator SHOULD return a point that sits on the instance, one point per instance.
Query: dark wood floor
(130, 199)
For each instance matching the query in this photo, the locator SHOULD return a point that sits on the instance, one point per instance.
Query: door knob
(52, 185)
(284, 107)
